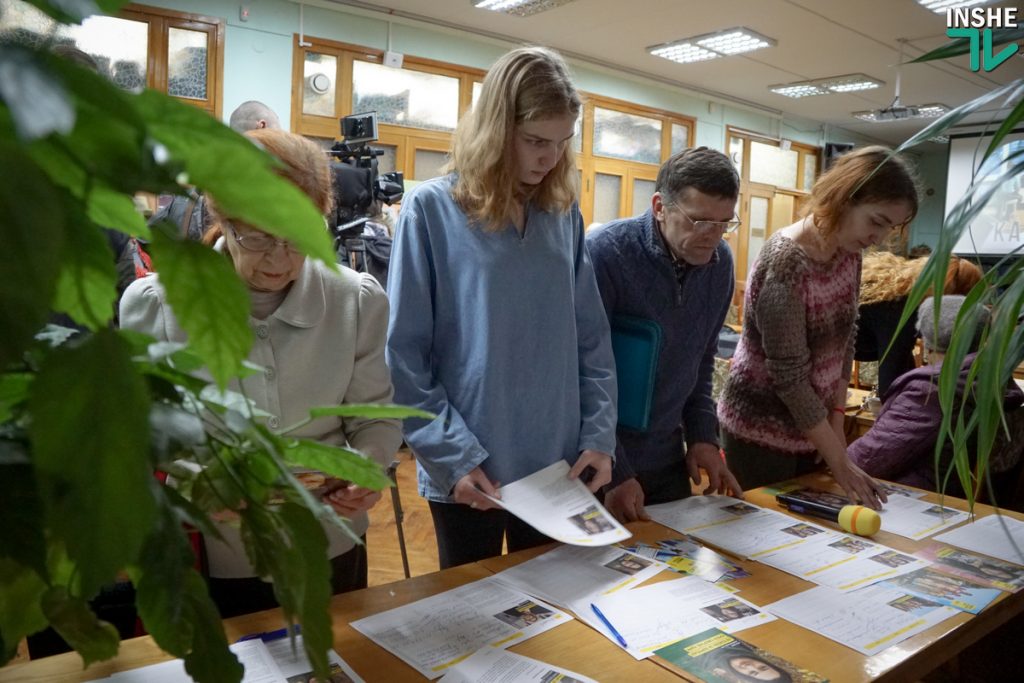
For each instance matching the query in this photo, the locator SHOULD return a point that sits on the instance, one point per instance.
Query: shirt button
(273, 422)
(262, 331)
(269, 374)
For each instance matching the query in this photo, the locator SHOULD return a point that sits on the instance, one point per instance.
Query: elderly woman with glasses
(784, 403)
(319, 336)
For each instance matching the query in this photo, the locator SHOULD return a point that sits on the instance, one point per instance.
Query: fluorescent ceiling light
(941, 139)
(519, 8)
(798, 90)
(730, 41)
(824, 86)
(940, 6)
(850, 83)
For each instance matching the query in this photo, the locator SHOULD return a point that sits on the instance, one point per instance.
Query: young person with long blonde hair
(496, 323)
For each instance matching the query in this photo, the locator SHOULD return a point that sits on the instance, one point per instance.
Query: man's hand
(468, 490)
(350, 500)
(706, 456)
(626, 502)
(600, 463)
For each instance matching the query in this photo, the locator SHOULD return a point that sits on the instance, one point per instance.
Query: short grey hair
(249, 114)
(938, 339)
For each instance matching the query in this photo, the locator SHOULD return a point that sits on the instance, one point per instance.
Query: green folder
(636, 343)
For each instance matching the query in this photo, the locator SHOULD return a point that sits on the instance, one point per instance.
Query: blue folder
(636, 343)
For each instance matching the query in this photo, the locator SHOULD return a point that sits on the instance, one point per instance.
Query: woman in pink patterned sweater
(785, 398)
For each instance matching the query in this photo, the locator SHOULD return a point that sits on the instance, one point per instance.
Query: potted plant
(87, 419)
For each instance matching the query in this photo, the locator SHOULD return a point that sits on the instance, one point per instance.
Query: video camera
(357, 184)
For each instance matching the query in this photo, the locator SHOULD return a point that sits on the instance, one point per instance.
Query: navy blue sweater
(638, 277)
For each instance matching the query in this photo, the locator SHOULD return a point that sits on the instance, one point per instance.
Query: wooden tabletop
(579, 648)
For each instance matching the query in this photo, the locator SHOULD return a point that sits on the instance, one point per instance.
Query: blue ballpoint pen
(604, 620)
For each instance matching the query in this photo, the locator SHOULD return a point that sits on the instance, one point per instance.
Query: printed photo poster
(986, 571)
(717, 657)
(946, 589)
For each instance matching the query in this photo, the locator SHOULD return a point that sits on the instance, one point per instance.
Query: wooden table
(577, 647)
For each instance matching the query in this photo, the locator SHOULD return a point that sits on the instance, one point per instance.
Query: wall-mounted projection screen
(999, 228)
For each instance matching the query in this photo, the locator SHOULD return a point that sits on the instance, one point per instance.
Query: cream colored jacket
(324, 345)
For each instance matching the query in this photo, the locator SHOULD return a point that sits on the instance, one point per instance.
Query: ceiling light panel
(931, 111)
(940, 6)
(797, 90)
(519, 8)
(849, 83)
(731, 41)
(683, 52)
(734, 41)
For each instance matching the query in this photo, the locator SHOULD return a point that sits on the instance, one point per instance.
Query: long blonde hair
(526, 84)
(887, 277)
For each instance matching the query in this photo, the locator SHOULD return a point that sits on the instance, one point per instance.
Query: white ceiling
(816, 39)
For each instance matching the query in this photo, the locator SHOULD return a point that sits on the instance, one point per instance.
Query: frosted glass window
(319, 73)
(119, 46)
(626, 136)
(477, 87)
(186, 63)
(607, 190)
(404, 97)
(772, 165)
(643, 190)
(810, 169)
(758, 229)
(429, 164)
(680, 137)
(386, 162)
(577, 135)
(736, 153)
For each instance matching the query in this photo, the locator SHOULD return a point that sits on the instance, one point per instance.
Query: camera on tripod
(357, 187)
(357, 184)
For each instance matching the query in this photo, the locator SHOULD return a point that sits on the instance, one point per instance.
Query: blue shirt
(638, 277)
(502, 336)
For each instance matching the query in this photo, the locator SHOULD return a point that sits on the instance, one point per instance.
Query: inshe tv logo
(976, 24)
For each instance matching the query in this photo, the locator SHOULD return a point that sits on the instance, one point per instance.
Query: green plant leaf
(237, 174)
(116, 210)
(20, 611)
(38, 102)
(13, 392)
(74, 11)
(87, 287)
(175, 607)
(342, 463)
(22, 537)
(74, 620)
(209, 301)
(90, 439)
(370, 410)
(33, 215)
(961, 46)
(301, 575)
(1008, 124)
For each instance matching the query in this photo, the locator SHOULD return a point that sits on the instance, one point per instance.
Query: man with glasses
(671, 266)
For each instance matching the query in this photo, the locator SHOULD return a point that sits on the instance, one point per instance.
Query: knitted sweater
(797, 346)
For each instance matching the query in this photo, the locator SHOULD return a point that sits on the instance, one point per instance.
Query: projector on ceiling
(896, 113)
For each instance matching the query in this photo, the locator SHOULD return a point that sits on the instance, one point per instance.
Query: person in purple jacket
(900, 446)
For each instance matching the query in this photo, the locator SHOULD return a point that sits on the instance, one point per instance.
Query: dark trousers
(755, 466)
(466, 535)
(665, 484)
(243, 596)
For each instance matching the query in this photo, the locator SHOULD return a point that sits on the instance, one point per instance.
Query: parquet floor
(385, 559)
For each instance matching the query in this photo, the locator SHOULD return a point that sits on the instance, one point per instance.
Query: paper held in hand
(561, 508)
